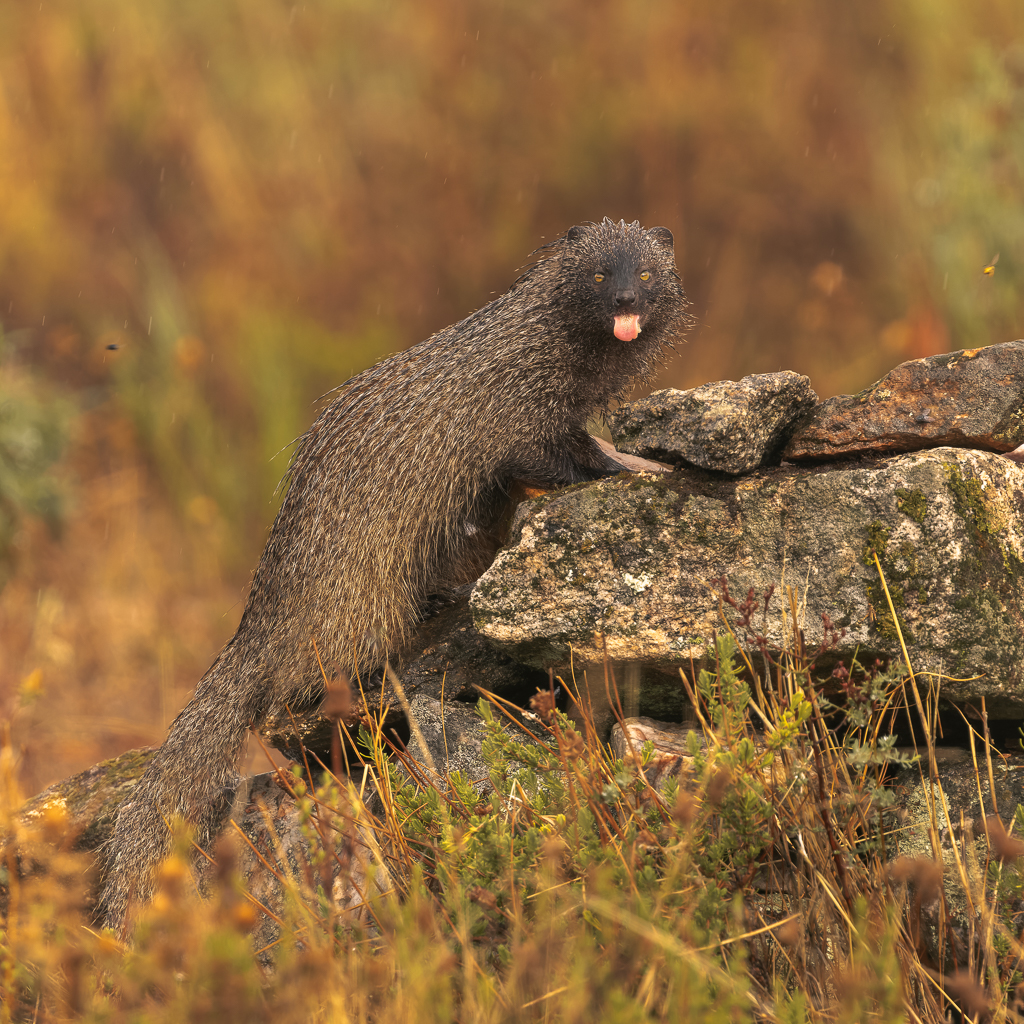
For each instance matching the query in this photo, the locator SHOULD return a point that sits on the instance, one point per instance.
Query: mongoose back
(390, 497)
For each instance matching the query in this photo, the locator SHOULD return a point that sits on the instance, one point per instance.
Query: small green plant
(33, 433)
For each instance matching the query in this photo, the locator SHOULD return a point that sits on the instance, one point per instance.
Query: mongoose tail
(394, 496)
(192, 777)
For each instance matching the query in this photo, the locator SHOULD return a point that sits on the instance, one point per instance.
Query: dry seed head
(243, 916)
(554, 848)
(645, 838)
(555, 855)
(1004, 846)
(447, 965)
(425, 917)
(338, 702)
(161, 904)
(226, 857)
(718, 785)
(685, 808)
(483, 897)
(574, 746)
(171, 875)
(54, 820)
(542, 703)
(788, 933)
(922, 871)
(967, 992)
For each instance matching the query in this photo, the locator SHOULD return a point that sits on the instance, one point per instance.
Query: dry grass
(112, 622)
(758, 885)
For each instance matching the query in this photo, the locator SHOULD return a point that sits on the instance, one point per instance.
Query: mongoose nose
(625, 298)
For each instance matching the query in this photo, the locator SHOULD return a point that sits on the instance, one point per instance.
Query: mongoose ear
(575, 233)
(662, 236)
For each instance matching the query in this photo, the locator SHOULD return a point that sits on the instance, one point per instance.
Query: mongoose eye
(645, 276)
(599, 278)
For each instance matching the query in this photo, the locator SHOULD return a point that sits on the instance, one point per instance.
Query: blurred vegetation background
(212, 214)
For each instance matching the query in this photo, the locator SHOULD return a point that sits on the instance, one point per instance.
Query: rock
(625, 567)
(727, 426)
(962, 836)
(670, 739)
(449, 660)
(90, 800)
(968, 399)
(671, 757)
(454, 735)
(303, 733)
(272, 846)
(452, 660)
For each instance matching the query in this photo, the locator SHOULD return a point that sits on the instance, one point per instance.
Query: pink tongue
(627, 327)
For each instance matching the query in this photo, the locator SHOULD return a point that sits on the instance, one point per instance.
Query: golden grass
(760, 885)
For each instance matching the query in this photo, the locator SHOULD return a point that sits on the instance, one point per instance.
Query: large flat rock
(626, 565)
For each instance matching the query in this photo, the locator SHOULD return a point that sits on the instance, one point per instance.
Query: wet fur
(392, 496)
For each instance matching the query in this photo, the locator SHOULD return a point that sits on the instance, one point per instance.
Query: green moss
(878, 541)
(913, 504)
(985, 527)
(971, 504)
(1013, 565)
(884, 622)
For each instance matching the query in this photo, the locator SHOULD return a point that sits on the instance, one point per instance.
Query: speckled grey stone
(625, 567)
(728, 426)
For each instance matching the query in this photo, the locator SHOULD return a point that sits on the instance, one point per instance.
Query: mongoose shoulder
(390, 493)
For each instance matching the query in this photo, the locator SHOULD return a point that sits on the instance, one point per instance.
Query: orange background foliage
(254, 199)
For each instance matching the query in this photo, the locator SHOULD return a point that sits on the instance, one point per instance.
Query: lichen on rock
(946, 525)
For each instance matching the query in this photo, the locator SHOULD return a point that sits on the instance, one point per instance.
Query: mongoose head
(624, 278)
